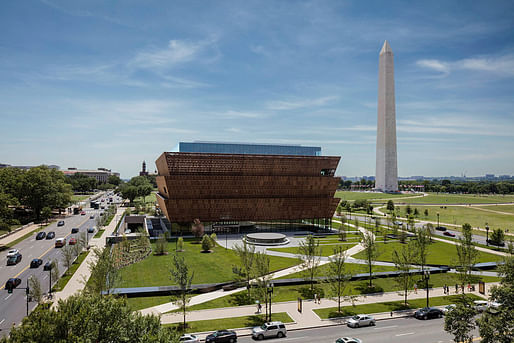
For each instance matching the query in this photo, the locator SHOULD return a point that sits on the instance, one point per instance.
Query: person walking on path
(259, 307)
(315, 298)
(416, 288)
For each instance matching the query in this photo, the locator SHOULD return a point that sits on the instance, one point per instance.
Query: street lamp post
(487, 233)
(269, 292)
(437, 219)
(426, 275)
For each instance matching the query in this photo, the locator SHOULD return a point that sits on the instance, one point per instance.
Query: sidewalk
(308, 318)
(18, 234)
(77, 281)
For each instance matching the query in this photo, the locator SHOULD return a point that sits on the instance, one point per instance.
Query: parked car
(222, 336)
(92, 216)
(47, 266)
(271, 329)
(75, 230)
(360, 320)
(348, 340)
(50, 235)
(35, 263)
(91, 230)
(60, 242)
(449, 234)
(428, 312)
(189, 338)
(14, 259)
(440, 228)
(12, 283)
(448, 308)
(40, 235)
(72, 241)
(480, 305)
(12, 252)
(83, 213)
(498, 244)
(60, 223)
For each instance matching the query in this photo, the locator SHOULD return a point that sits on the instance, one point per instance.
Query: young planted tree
(180, 244)
(403, 259)
(460, 321)
(46, 213)
(411, 223)
(421, 244)
(430, 230)
(408, 210)
(426, 212)
(416, 212)
(390, 206)
(497, 237)
(105, 274)
(206, 243)
(213, 238)
(261, 271)
(377, 225)
(246, 254)
(349, 210)
(371, 252)
(309, 253)
(338, 276)
(466, 255)
(342, 229)
(182, 276)
(67, 256)
(35, 290)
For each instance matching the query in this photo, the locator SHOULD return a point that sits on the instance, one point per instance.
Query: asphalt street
(13, 306)
(402, 330)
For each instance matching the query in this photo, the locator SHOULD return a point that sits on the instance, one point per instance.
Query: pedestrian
(259, 308)
(456, 288)
(469, 287)
(315, 298)
(416, 288)
(319, 300)
(391, 313)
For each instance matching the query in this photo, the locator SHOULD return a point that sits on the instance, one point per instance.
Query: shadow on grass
(240, 299)
(364, 288)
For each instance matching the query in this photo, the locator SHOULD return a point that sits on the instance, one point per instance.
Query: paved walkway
(78, 280)
(18, 234)
(308, 318)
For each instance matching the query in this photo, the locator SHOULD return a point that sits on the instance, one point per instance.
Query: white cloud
(500, 65)
(242, 114)
(300, 103)
(435, 65)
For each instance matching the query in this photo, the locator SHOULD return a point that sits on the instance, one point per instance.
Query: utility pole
(27, 291)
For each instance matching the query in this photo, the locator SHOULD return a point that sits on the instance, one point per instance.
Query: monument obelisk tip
(386, 48)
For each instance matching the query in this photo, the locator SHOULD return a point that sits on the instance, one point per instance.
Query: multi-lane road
(13, 306)
(403, 330)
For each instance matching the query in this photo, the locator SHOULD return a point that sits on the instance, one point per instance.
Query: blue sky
(92, 84)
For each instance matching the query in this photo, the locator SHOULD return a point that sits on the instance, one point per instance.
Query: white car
(348, 340)
(360, 320)
(189, 338)
(12, 252)
(448, 308)
(480, 305)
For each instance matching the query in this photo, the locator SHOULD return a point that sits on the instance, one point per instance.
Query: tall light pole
(426, 274)
(487, 233)
(437, 219)
(269, 291)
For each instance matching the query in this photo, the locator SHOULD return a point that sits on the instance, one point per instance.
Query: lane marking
(1, 321)
(8, 296)
(385, 327)
(405, 334)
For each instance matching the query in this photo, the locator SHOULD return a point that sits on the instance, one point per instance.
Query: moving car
(60, 242)
(83, 213)
(440, 228)
(222, 336)
(12, 283)
(14, 259)
(428, 312)
(360, 320)
(448, 308)
(12, 252)
(92, 216)
(50, 235)
(480, 305)
(40, 235)
(449, 234)
(91, 230)
(72, 241)
(47, 266)
(348, 340)
(75, 230)
(35, 263)
(271, 329)
(189, 338)
(60, 223)
(498, 244)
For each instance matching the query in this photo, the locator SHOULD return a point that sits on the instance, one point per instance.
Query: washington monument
(386, 179)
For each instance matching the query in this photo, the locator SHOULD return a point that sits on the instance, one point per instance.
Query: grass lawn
(449, 199)
(360, 287)
(355, 268)
(326, 250)
(99, 233)
(459, 215)
(502, 208)
(77, 198)
(208, 267)
(346, 311)
(348, 195)
(63, 281)
(232, 322)
(149, 199)
(140, 303)
(438, 253)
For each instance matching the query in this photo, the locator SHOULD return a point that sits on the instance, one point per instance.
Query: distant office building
(289, 188)
(101, 174)
(51, 166)
(246, 148)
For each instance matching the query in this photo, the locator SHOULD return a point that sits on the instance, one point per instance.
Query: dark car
(75, 230)
(440, 228)
(60, 223)
(47, 266)
(91, 230)
(12, 283)
(428, 312)
(40, 235)
(449, 234)
(92, 216)
(498, 244)
(12, 260)
(35, 263)
(50, 235)
(222, 336)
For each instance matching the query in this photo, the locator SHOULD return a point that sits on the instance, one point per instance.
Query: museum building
(257, 186)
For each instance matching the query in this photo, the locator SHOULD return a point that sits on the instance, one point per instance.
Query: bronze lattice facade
(244, 187)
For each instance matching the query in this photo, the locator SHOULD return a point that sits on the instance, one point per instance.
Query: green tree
(342, 229)
(261, 271)
(85, 317)
(349, 209)
(390, 206)
(182, 276)
(129, 192)
(338, 275)
(377, 225)
(371, 252)
(416, 212)
(206, 243)
(426, 212)
(497, 237)
(180, 244)
(402, 260)
(46, 213)
(309, 253)
(213, 238)
(246, 254)
(67, 256)
(161, 246)
(421, 244)
(498, 326)
(408, 210)
(460, 322)
(114, 180)
(466, 255)
(411, 223)
(35, 290)
(104, 272)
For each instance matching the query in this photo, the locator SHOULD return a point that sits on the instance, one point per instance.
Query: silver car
(271, 329)
(348, 340)
(189, 338)
(360, 320)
